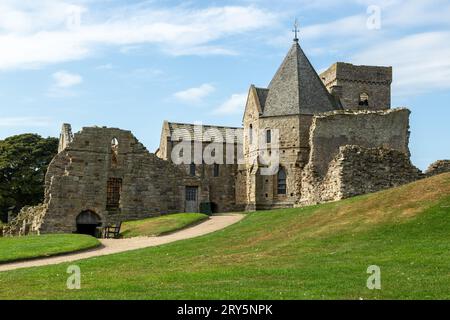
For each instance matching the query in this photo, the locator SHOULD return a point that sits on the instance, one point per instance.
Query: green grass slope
(160, 225)
(19, 248)
(318, 252)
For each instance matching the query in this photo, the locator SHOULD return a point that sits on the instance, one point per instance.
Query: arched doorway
(87, 222)
(214, 207)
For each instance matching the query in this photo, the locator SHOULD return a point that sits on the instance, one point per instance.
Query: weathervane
(296, 30)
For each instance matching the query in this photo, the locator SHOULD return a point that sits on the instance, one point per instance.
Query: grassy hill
(318, 252)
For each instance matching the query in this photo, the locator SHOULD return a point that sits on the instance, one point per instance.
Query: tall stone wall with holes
(347, 82)
(371, 129)
(382, 150)
(77, 181)
(357, 170)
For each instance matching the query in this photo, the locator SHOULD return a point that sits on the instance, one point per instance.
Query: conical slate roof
(296, 88)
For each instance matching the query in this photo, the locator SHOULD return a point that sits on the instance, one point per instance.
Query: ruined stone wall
(77, 180)
(353, 80)
(164, 149)
(371, 129)
(438, 167)
(355, 171)
(65, 137)
(27, 222)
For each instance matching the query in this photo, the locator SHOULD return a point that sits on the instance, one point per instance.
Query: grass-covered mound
(20, 248)
(318, 252)
(160, 225)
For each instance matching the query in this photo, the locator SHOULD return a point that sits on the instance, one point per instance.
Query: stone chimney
(65, 137)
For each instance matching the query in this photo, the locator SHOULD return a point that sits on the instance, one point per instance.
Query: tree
(23, 163)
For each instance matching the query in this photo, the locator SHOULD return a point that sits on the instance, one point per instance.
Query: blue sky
(133, 64)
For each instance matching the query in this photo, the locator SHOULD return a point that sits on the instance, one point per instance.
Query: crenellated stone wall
(347, 82)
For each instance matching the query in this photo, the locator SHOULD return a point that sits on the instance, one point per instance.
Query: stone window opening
(192, 169)
(216, 170)
(281, 181)
(114, 189)
(268, 136)
(364, 99)
(114, 151)
(250, 134)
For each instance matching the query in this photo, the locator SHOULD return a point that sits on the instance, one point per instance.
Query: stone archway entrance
(87, 222)
(214, 207)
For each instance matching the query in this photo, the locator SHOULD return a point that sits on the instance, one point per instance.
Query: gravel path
(110, 246)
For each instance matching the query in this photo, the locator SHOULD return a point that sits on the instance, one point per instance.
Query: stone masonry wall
(356, 170)
(77, 181)
(438, 167)
(371, 129)
(353, 80)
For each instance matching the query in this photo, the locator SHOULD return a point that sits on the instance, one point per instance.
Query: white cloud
(195, 95)
(348, 26)
(15, 122)
(234, 105)
(47, 31)
(107, 66)
(420, 62)
(63, 84)
(64, 79)
(419, 59)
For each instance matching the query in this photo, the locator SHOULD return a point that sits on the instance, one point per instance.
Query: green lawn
(19, 248)
(319, 252)
(160, 225)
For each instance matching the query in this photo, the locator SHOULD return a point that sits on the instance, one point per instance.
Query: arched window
(250, 134)
(281, 179)
(364, 99)
(268, 136)
(114, 151)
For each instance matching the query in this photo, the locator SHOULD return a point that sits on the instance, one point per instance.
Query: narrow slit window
(269, 136)
(281, 181)
(114, 151)
(216, 170)
(192, 169)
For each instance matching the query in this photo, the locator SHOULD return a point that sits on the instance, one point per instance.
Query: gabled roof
(296, 88)
(186, 132)
(262, 96)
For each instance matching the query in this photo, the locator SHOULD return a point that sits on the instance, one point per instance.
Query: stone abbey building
(332, 136)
